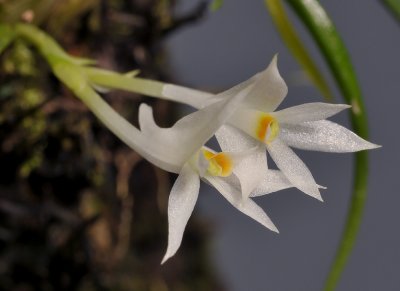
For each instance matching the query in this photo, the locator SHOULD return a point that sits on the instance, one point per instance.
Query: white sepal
(273, 180)
(181, 203)
(269, 89)
(293, 168)
(226, 187)
(309, 112)
(324, 136)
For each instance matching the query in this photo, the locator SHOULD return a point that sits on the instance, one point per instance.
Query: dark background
(240, 40)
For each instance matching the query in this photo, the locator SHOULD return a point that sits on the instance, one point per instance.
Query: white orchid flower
(180, 149)
(304, 126)
(226, 171)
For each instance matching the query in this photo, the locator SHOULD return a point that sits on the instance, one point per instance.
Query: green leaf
(393, 6)
(334, 51)
(7, 35)
(216, 5)
(296, 47)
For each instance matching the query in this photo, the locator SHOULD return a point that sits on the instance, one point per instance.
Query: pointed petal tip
(373, 146)
(315, 194)
(275, 59)
(274, 229)
(319, 197)
(166, 258)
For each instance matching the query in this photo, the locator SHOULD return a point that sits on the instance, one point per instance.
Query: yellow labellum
(220, 164)
(267, 128)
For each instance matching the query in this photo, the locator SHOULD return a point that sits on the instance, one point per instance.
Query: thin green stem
(332, 47)
(113, 80)
(296, 47)
(46, 45)
(393, 6)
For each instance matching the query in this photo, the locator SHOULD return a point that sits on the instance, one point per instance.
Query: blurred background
(81, 211)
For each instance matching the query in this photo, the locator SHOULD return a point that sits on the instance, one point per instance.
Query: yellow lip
(267, 128)
(220, 164)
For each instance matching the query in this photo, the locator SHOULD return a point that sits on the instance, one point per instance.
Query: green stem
(46, 45)
(296, 47)
(324, 33)
(112, 80)
(393, 6)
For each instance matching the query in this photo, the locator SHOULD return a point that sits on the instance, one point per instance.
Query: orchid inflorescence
(246, 125)
(243, 119)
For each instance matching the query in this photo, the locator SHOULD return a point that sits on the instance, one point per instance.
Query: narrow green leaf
(393, 6)
(293, 42)
(216, 5)
(332, 47)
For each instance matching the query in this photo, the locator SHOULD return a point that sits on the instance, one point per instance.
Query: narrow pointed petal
(181, 203)
(226, 187)
(293, 168)
(272, 181)
(309, 112)
(191, 132)
(324, 136)
(269, 89)
(232, 139)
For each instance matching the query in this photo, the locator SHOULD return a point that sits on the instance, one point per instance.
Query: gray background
(238, 41)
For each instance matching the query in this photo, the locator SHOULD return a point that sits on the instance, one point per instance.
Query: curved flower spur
(303, 126)
(180, 149)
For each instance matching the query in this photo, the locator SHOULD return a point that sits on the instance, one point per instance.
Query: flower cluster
(246, 124)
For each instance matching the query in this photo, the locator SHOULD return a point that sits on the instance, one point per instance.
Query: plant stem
(333, 49)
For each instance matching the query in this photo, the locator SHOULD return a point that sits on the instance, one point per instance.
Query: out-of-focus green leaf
(216, 5)
(293, 42)
(7, 35)
(332, 47)
(394, 7)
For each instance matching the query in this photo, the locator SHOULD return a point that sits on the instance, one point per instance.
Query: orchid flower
(180, 149)
(303, 127)
(226, 171)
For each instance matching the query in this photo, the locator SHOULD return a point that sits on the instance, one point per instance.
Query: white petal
(181, 141)
(269, 89)
(232, 139)
(272, 181)
(248, 206)
(323, 135)
(181, 203)
(309, 112)
(293, 168)
(250, 169)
